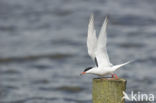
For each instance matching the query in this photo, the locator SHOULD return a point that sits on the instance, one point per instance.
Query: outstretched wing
(91, 38)
(101, 50)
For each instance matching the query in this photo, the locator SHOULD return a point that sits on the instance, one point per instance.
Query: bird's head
(86, 70)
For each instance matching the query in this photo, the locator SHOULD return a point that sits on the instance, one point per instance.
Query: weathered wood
(108, 90)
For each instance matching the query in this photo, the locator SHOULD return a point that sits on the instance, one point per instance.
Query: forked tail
(120, 65)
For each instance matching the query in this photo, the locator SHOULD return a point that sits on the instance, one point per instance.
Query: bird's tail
(120, 65)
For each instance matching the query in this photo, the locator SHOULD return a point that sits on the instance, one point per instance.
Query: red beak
(83, 73)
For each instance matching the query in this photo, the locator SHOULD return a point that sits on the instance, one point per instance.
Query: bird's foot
(114, 75)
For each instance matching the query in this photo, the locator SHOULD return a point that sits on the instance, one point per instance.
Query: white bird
(98, 52)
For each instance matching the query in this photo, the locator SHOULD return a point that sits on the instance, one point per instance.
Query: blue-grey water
(43, 47)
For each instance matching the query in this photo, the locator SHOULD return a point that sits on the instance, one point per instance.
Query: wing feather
(101, 50)
(91, 38)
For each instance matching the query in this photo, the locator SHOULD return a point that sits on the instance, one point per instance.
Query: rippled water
(43, 47)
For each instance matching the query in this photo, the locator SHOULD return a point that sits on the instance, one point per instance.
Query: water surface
(43, 47)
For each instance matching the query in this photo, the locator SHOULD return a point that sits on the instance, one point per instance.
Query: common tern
(98, 52)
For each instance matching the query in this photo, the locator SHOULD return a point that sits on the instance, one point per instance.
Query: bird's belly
(104, 73)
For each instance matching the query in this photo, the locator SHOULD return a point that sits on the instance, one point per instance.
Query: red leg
(116, 77)
(112, 76)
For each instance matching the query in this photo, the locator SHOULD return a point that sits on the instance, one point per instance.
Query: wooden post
(108, 90)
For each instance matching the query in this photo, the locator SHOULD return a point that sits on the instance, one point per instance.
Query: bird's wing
(101, 50)
(91, 38)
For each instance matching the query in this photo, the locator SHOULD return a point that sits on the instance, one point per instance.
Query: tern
(98, 52)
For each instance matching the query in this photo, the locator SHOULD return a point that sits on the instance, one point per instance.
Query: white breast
(103, 71)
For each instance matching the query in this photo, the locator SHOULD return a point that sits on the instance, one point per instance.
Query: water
(43, 47)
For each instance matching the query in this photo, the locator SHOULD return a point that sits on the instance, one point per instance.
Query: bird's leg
(112, 76)
(116, 77)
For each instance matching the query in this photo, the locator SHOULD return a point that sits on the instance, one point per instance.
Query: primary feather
(91, 38)
(101, 50)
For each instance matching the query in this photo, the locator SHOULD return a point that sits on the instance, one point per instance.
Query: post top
(109, 79)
